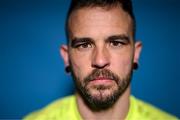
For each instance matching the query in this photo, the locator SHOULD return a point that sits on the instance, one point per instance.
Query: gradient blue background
(32, 71)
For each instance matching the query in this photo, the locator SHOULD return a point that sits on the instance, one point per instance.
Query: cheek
(122, 64)
(80, 64)
(127, 65)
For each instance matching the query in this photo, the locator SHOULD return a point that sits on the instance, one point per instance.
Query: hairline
(105, 7)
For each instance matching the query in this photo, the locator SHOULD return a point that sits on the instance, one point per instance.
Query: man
(101, 55)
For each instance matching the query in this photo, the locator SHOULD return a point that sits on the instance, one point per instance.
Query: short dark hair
(126, 5)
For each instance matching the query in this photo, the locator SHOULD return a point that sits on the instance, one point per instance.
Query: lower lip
(102, 81)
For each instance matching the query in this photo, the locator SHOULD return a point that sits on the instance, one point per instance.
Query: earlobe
(138, 48)
(64, 54)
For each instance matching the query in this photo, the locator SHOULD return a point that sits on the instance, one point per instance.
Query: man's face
(101, 53)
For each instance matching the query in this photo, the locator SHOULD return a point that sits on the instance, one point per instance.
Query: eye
(116, 43)
(84, 45)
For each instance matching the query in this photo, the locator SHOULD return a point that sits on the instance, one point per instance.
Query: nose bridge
(101, 56)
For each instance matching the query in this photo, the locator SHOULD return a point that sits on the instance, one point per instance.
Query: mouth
(102, 77)
(102, 80)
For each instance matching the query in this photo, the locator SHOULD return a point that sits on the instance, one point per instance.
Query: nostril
(100, 62)
(99, 66)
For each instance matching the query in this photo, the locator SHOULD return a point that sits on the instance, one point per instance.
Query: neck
(119, 110)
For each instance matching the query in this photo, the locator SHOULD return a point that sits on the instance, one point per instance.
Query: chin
(102, 92)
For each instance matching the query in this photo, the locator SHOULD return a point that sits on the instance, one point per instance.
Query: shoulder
(146, 111)
(55, 110)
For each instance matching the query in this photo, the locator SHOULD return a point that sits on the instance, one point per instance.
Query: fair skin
(100, 51)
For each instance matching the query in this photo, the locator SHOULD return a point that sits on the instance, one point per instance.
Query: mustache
(105, 73)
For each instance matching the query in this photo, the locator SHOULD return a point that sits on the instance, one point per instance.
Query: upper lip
(102, 78)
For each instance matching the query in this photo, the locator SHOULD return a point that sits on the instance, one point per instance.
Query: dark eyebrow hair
(123, 37)
(76, 40)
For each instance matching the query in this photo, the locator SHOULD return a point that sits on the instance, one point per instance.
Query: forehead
(90, 21)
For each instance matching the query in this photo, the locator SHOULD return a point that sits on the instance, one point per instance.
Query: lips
(101, 80)
(101, 76)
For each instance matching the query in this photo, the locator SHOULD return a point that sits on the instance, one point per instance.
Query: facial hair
(101, 102)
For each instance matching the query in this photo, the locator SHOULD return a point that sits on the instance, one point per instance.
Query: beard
(100, 97)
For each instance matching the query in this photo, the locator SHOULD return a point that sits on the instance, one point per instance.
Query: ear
(64, 54)
(138, 47)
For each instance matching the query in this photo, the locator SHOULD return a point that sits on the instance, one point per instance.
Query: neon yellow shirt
(66, 109)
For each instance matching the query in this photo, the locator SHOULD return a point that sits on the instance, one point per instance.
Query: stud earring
(135, 66)
(68, 69)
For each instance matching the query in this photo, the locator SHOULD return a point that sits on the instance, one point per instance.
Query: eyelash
(83, 45)
(113, 43)
(116, 43)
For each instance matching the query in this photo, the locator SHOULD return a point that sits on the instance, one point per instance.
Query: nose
(100, 58)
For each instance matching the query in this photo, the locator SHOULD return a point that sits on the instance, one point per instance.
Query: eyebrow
(76, 40)
(122, 37)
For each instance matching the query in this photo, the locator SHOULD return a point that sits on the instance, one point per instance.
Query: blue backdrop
(32, 71)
